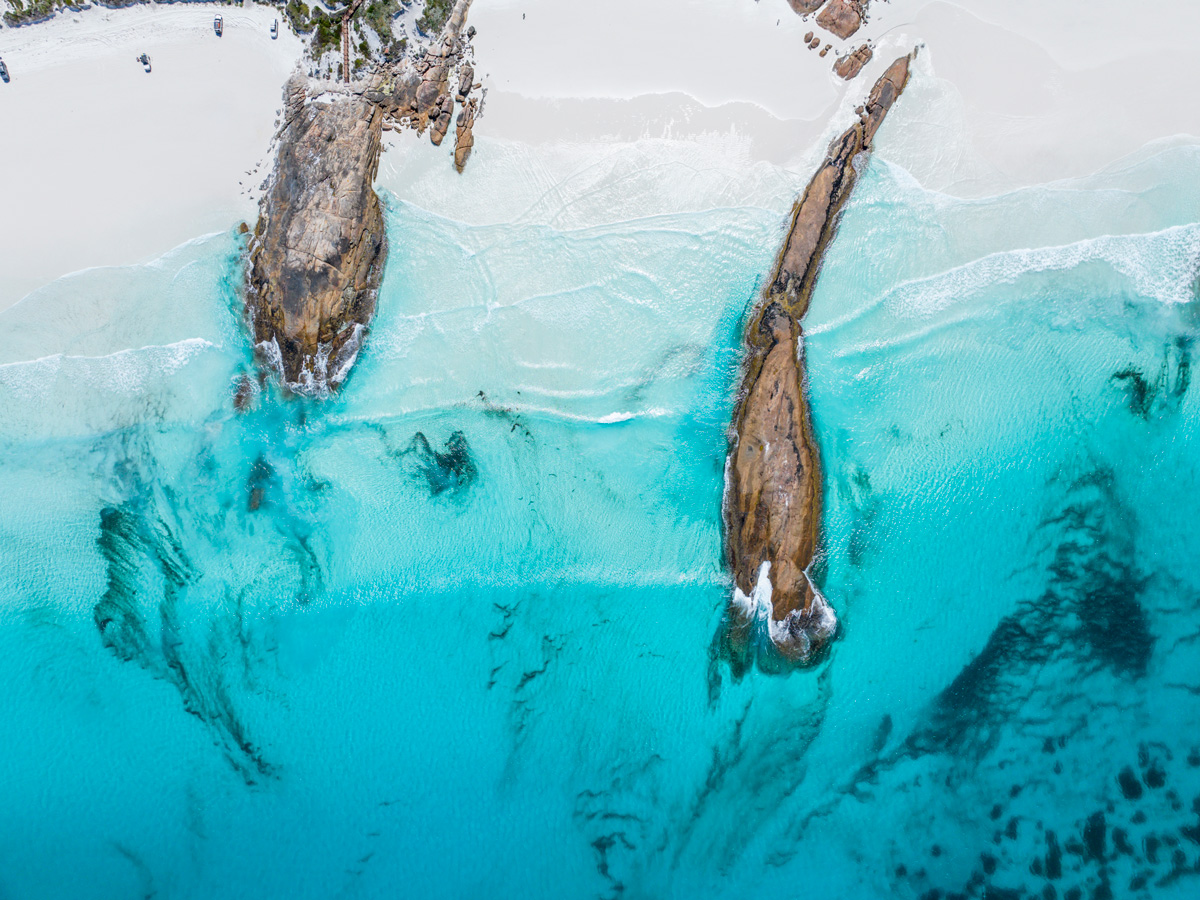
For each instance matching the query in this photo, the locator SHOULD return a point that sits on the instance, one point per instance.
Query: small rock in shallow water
(1131, 788)
(1150, 848)
(1053, 856)
(1094, 836)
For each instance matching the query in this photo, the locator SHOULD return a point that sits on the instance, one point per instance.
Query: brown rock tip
(777, 616)
(852, 63)
(318, 250)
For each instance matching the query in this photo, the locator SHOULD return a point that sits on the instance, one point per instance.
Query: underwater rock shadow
(1089, 629)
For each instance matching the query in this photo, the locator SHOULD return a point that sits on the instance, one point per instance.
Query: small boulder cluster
(417, 93)
(841, 18)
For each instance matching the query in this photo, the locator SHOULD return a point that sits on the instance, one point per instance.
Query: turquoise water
(449, 633)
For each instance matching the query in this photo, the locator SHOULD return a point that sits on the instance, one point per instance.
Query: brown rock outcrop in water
(318, 250)
(772, 504)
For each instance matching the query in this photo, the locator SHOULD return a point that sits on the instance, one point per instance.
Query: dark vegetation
(327, 31)
(435, 16)
(25, 11)
(325, 27)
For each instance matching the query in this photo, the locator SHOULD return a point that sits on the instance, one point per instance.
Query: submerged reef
(772, 505)
(319, 248)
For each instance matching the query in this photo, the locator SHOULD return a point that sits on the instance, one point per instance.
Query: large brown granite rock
(842, 17)
(318, 250)
(804, 7)
(772, 504)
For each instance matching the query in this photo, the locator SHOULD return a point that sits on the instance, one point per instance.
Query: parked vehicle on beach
(275, 29)
(145, 61)
(218, 25)
(3, 72)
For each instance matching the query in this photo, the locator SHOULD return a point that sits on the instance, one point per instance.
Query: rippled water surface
(448, 634)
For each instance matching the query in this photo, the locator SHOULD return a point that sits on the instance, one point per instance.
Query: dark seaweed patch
(1090, 611)
(450, 469)
(1131, 788)
(148, 571)
(1169, 384)
(1095, 837)
(1139, 392)
(1089, 622)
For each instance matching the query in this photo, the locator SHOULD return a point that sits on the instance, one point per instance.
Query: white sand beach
(104, 164)
(1014, 91)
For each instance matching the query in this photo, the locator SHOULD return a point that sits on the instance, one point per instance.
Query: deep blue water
(448, 634)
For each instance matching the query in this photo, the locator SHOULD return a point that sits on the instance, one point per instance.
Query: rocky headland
(777, 616)
(318, 251)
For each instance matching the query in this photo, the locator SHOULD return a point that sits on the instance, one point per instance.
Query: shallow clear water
(448, 634)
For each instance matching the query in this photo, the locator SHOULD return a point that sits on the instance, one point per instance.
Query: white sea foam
(348, 354)
(272, 356)
(799, 631)
(1160, 265)
(125, 370)
(757, 606)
